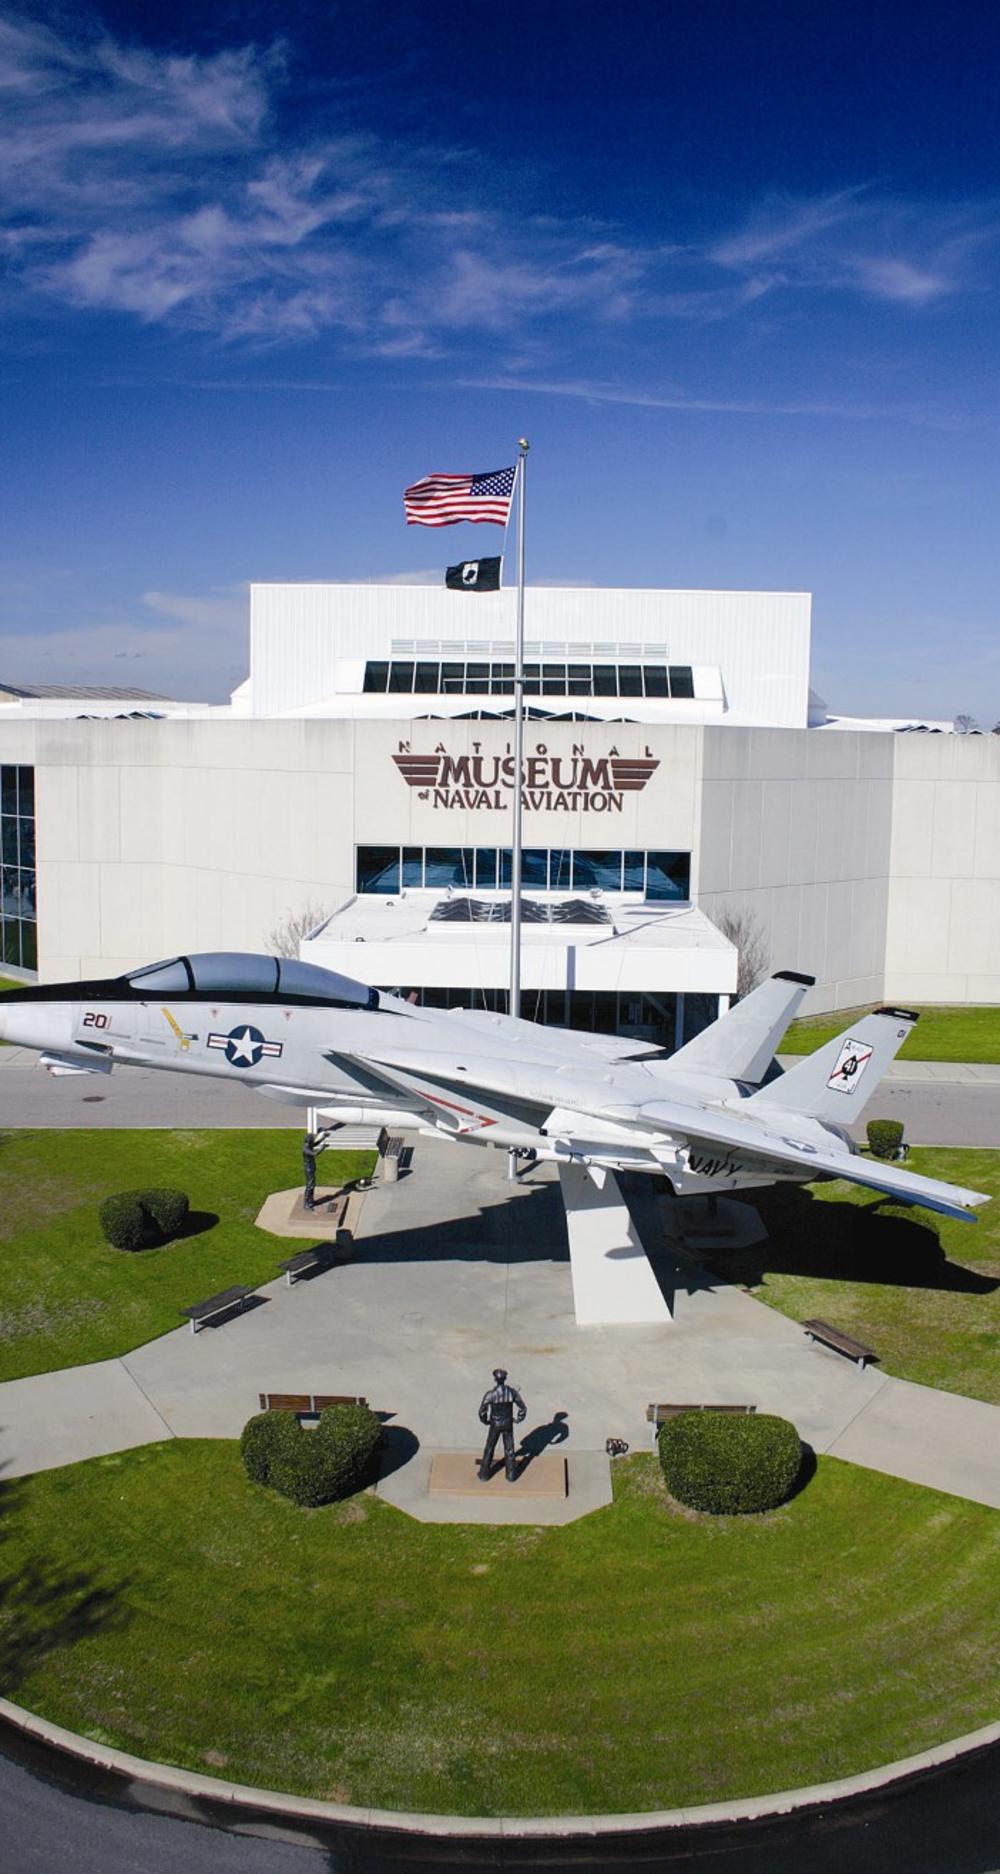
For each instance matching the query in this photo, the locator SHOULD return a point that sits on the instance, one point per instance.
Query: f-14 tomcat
(707, 1117)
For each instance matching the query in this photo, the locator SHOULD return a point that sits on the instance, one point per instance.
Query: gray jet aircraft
(709, 1117)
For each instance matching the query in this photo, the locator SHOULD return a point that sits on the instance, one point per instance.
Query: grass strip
(941, 1034)
(923, 1290)
(67, 1297)
(639, 1659)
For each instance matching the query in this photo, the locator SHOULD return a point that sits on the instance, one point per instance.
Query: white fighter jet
(708, 1118)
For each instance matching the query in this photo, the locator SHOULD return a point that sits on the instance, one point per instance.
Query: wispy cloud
(586, 391)
(169, 189)
(860, 242)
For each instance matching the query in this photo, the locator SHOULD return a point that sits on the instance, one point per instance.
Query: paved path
(456, 1272)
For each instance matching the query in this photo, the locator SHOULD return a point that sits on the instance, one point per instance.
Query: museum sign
(573, 783)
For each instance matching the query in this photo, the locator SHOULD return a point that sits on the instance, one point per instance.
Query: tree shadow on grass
(845, 1242)
(46, 1608)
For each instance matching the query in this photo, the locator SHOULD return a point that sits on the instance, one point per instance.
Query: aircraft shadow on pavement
(866, 1242)
(531, 1230)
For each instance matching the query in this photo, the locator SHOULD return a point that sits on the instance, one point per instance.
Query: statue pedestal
(455, 1474)
(613, 1283)
(284, 1214)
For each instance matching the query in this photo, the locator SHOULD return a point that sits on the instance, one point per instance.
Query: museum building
(361, 779)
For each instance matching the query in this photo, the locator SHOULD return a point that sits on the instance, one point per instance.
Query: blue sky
(733, 269)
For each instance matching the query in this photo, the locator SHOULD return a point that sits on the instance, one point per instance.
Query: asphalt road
(938, 1112)
(944, 1823)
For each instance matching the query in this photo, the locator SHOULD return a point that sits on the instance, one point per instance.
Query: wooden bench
(306, 1404)
(839, 1341)
(657, 1415)
(224, 1302)
(393, 1155)
(322, 1256)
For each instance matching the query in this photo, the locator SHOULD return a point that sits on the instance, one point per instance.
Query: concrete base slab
(588, 1488)
(456, 1474)
(81, 1412)
(284, 1214)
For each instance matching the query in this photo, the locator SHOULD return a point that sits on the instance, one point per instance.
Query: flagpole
(515, 853)
(515, 857)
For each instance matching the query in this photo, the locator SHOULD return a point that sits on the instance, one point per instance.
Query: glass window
(401, 677)
(308, 979)
(376, 676)
(505, 867)
(428, 680)
(605, 680)
(230, 971)
(12, 941)
(535, 867)
(29, 947)
(8, 839)
(26, 790)
(668, 875)
(378, 868)
(452, 679)
(501, 678)
(633, 871)
(532, 680)
(553, 679)
(630, 679)
(559, 870)
(477, 679)
(486, 868)
(681, 680)
(655, 679)
(580, 680)
(162, 978)
(602, 870)
(25, 894)
(8, 790)
(448, 865)
(27, 829)
(413, 866)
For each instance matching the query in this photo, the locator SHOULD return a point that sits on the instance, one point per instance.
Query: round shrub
(730, 1465)
(167, 1208)
(315, 1466)
(885, 1136)
(125, 1222)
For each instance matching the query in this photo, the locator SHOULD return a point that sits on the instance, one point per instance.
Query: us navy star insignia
(246, 1046)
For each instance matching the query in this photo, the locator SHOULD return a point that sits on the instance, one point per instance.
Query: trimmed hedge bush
(138, 1219)
(730, 1465)
(124, 1222)
(311, 1467)
(168, 1209)
(885, 1136)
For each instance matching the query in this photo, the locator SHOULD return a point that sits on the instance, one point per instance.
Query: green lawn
(66, 1297)
(638, 1659)
(7, 982)
(923, 1290)
(941, 1034)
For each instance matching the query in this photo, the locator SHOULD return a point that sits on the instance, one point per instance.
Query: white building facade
(670, 772)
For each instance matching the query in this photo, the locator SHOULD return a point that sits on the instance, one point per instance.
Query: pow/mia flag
(474, 576)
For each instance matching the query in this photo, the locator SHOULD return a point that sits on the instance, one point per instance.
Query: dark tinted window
(605, 680)
(668, 874)
(378, 868)
(376, 676)
(655, 679)
(401, 677)
(630, 680)
(681, 680)
(428, 680)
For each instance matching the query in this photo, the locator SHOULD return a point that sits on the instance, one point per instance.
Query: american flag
(440, 500)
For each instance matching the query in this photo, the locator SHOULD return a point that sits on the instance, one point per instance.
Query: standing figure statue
(500, 1408)
(312, 1143)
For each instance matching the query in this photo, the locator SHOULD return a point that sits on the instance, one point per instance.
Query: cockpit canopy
(243, 975)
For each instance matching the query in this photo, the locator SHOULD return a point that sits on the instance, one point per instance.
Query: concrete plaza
(457, 1271)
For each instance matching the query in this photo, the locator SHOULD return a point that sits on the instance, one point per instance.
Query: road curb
(310, 1809)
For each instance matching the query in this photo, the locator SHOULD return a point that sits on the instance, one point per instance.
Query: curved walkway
(456, 1271)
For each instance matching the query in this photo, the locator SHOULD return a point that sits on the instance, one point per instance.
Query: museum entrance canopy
(569, 943)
